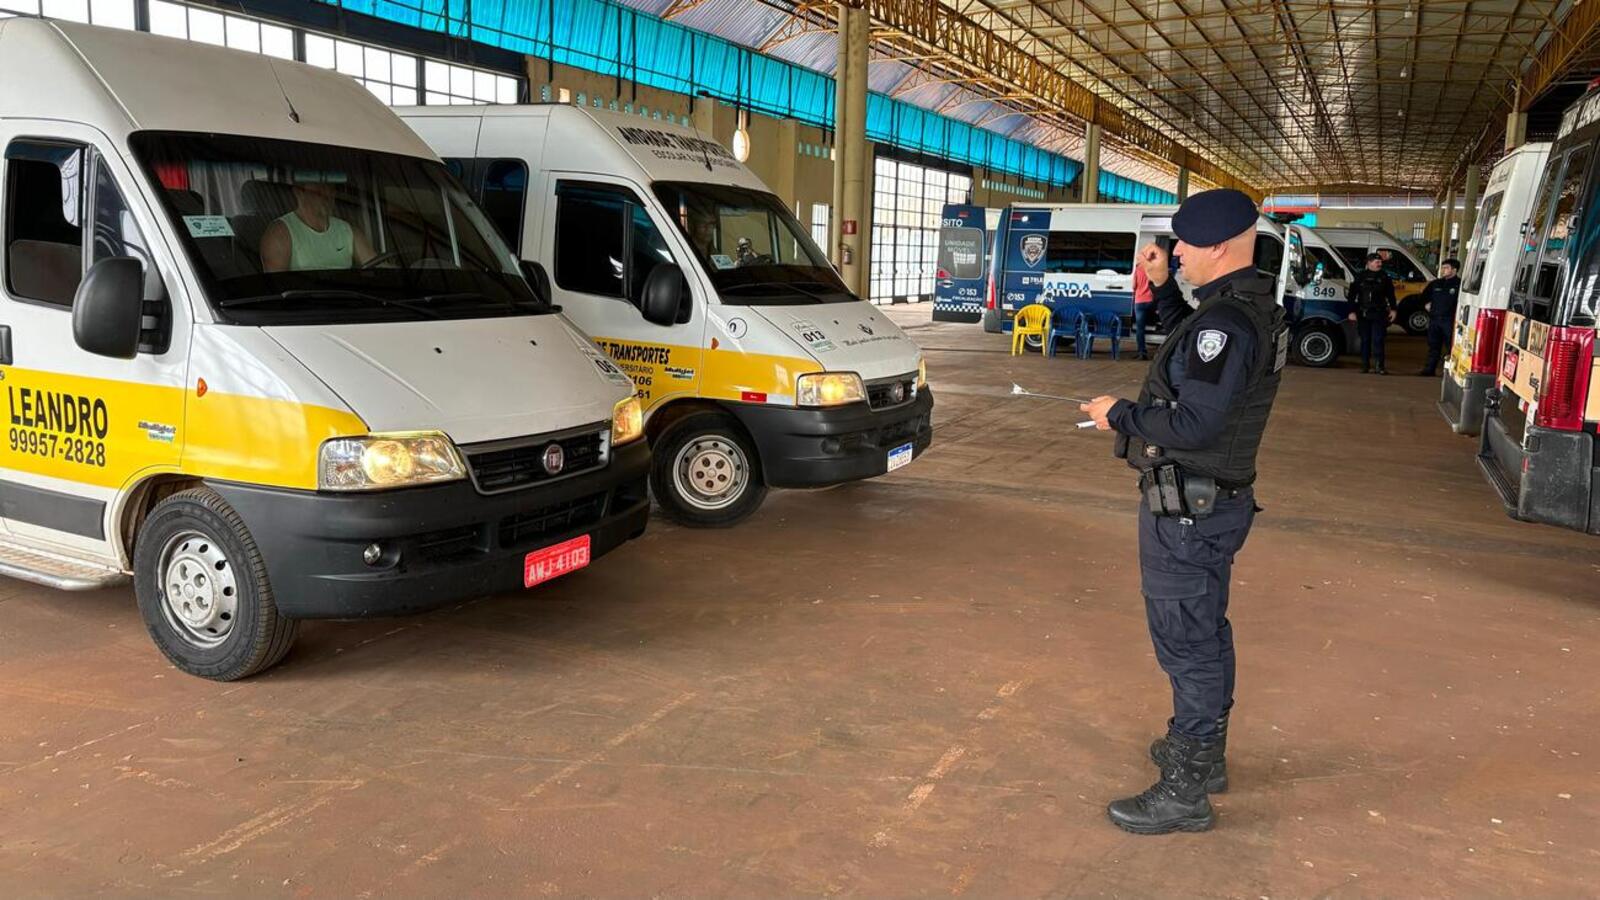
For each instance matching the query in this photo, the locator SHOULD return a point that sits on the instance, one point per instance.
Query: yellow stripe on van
(665, 372)
(106, 433)
(260, 441)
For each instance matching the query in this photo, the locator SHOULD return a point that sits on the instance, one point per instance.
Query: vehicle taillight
(943, 275)
(1486, 351)
(1565, 388)
(991, 303)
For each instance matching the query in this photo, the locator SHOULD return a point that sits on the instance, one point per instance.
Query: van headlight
(922, 372)
(829, 389)
(627, 421)
(378, 461)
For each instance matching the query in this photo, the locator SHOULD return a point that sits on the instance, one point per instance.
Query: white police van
(756, 365)
(261, 353)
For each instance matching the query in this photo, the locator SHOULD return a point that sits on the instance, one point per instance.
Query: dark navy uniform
(1373, 294)
(1210, 390)
(1193, 435)
(1441, 296)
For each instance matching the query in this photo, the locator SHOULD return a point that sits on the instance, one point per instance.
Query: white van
(756, 366)
(1078, 258)
(1486, 277)
(1410, 275)
(261, 353)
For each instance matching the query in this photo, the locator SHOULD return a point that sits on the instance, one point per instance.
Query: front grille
(900, 432)
(520, 462)
(880, 393)
(452, 543)
(533, 526)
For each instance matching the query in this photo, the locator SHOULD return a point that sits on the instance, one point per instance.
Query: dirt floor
(929, 684)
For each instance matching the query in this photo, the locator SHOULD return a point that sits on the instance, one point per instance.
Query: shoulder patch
(1210, 344)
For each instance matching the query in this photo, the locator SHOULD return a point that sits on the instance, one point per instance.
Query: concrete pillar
(1516, 130)
(1469, 215)
(852, 198)
(1090, 192)
(705, 117)
(788, 151)
(1183, 184)
(1449, 218)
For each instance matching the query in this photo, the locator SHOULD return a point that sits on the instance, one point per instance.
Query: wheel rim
(199, 595)
(1316, 347)
(710, 473)
(1419, 321)
(1033, 341)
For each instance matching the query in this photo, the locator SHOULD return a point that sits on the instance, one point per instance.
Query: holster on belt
(1170, 491)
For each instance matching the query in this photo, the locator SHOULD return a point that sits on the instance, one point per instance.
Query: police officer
(1440, 297)
(1373, 294)
(1193, 436)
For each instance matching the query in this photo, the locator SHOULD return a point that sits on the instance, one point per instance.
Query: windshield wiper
(331, 294)
(460, 296)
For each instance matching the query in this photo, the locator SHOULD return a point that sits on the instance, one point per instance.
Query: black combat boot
(1217, 778)
(1178, 801)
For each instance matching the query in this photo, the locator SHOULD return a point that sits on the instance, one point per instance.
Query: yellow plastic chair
(1032, 320)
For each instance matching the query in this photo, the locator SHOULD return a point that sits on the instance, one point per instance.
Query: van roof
(613, 142)
(122, 82)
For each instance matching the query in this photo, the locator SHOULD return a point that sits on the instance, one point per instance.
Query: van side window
(44, 202)
(1269, 254)
(1088, 252)
(1554, 244)
(1585, 274)
(1356, 257)
(1483, 242)
(1331, 268)
(606, 243)
(505, 190)
(115, 231)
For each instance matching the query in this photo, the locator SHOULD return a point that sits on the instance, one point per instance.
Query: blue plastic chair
(1093, 325)
(1063, 324)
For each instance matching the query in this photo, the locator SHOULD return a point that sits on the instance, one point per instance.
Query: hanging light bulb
(741, 138)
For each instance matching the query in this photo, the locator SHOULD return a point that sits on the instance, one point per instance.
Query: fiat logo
(554, 459)
(897, 393)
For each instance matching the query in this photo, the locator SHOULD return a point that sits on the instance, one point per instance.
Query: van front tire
(705, 472)
(1317, 345)
(203, 591)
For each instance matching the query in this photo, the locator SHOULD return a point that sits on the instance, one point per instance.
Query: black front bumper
(440, 543)
(1554, 481)
(817, 447)
(1462, 405)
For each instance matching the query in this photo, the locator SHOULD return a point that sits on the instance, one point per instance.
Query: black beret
(1374, 257)
(1452, 262)
(1211, 217)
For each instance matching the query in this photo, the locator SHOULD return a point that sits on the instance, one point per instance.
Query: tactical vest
(1231, 459)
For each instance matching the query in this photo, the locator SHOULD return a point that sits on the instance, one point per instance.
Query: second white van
(756, 365)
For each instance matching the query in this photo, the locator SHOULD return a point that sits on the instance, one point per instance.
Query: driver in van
(310, 236)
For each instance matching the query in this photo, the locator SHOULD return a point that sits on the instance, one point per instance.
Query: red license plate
(540, 566)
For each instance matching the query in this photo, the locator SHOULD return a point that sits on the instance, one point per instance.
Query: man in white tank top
(311, 237)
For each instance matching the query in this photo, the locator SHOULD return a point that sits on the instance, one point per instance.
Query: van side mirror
(108, 309)
(665, 299)
(539, 281)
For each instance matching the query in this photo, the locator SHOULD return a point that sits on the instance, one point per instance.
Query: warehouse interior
(803, 568)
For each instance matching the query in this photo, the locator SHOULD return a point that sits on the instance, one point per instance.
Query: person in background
(1373, 295)
(1439, 298)
(1143, 303)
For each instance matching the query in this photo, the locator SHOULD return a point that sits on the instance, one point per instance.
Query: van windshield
(288, 233)
(751, 246)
